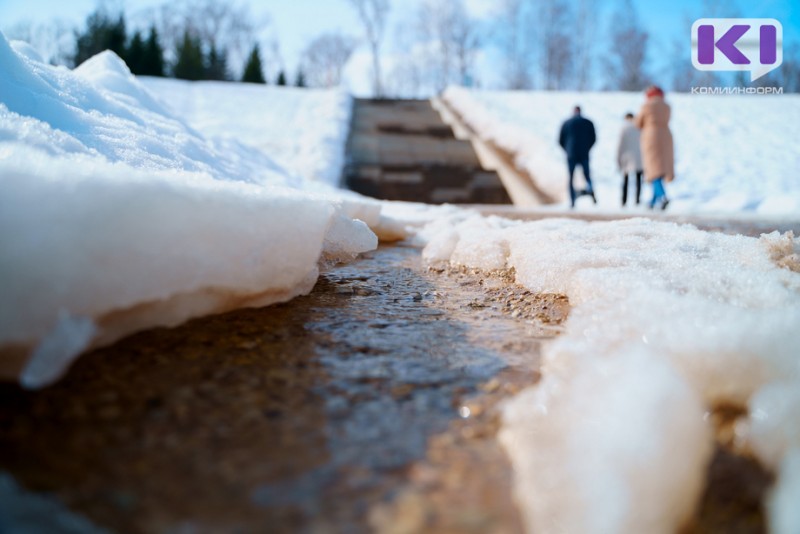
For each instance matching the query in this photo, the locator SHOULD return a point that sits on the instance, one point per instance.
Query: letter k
(726, 44)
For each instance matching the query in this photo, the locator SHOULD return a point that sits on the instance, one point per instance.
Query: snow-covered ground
(303, 130)
(668, 322)
(733, 154)
(116, 216)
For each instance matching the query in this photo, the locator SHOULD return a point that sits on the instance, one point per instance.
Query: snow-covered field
(733, 154)
(303, 130)
(116, 216)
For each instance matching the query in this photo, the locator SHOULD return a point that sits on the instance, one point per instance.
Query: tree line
(195, 56)
(530, 44)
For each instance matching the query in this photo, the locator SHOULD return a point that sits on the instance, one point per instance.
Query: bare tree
(373, 15)
(450, 39)
(682, 74)
(515, 39)
(466, 39)
(325, 57)
(556, 44)
(625, 64)
(584, 41)
(433, 27)
(406, 77)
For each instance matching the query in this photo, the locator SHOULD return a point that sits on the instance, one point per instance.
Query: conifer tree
(300, 80)
(117, 37)
(190, 64)
(281, 79)
(153, 60)
(101, 34)
(253, 72)
(217, 64)
(135, 55)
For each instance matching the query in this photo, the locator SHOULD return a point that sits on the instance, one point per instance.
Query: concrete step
(402, 150)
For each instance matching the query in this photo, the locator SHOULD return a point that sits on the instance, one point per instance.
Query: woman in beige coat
(656, 140)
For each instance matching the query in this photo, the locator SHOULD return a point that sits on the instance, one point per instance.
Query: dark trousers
(571, 164)
(625, 187)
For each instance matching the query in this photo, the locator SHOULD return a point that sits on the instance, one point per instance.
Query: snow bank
(667, 322)
(304, 130)
(116, 216)
(733, 153)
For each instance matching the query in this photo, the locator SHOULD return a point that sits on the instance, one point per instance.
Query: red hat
(654, 90)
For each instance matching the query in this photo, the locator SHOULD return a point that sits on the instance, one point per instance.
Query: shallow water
(296, 417)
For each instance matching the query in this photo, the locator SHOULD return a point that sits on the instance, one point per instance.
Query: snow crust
(668, 321)
(733, 154)
(116, 216)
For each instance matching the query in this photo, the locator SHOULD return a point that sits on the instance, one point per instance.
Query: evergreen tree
(135, 56)
(117, 37)
(190, 64)
(101, 34)
(253, 72)
(300, 80)
(281, 79)
(217, 65)
(153, 60)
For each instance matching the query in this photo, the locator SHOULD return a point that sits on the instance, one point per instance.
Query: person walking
(577, 138)
(656, 142)
(629, 157)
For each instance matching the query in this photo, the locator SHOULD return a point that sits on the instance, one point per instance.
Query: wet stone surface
(369, 405)
(328, 413)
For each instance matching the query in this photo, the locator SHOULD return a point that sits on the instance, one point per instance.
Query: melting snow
(668, 321)
(116, 216)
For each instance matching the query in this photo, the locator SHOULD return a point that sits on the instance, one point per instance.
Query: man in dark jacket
(577, 138)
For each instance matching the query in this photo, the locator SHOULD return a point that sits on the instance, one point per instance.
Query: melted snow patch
(667, 322)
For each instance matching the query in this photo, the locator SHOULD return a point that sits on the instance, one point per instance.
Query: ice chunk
(346, 238)
(607, 445)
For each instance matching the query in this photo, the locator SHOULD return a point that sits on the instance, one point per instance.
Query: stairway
(402, 150)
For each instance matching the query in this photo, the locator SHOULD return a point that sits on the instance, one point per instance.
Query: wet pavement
(311, 416)
(371, 404)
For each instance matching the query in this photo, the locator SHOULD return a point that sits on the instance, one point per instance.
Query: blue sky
(296, 22)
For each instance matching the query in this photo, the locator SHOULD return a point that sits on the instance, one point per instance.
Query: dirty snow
(116, 216)
(733, 154)
(668, 321)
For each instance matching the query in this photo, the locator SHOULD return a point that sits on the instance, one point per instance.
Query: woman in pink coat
(656, 141)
